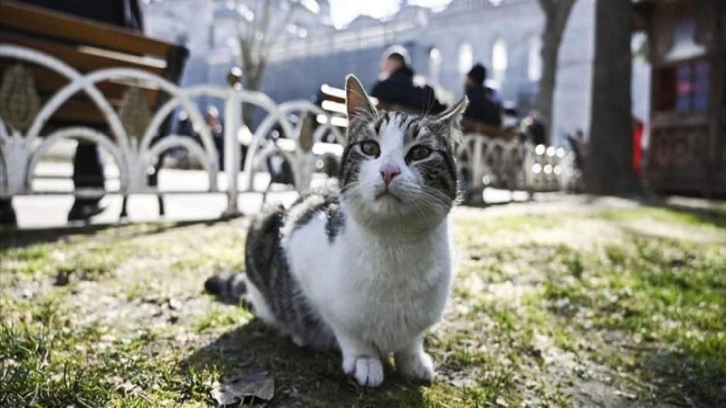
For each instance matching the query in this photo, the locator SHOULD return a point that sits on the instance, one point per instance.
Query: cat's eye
(418, 153)
(370, 148)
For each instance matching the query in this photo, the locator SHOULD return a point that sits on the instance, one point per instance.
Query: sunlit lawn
(581, 307)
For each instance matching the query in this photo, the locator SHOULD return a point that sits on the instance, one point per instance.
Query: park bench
(490, 156)
(332, 100)
(86, 46)
(316, 148)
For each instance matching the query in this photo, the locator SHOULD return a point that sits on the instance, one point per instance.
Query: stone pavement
(50, 211)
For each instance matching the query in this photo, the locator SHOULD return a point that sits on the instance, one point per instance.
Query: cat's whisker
(435, 195)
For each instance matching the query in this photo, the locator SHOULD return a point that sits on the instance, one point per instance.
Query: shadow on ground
(303, 377)
(21, 238)
(706, 216)
(696, 212)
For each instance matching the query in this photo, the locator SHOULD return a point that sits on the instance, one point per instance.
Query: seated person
(396, 86)
(579, 147)
(87, 166)
(534, 129)
(482, 105)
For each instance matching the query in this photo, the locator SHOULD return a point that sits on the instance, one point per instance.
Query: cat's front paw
(419, 367)
(368, 371)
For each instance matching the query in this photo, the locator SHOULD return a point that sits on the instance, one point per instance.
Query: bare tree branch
(275, 36)
(257, 36)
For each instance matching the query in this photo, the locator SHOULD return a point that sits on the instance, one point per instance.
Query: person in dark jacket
(482, 104)
(121, 13)
(397, 88)
(535, 129)
(87, 167)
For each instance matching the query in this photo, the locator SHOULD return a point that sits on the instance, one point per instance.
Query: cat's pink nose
(388, 172)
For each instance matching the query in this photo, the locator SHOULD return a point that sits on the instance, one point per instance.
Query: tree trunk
(609, 167)
(557, 13)
(546, 93)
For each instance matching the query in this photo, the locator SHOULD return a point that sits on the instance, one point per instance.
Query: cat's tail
(261, 263)
(230, 288)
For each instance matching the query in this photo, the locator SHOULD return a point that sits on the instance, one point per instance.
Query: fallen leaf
(247, 383)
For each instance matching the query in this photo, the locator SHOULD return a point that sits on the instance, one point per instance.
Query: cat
(368, 269)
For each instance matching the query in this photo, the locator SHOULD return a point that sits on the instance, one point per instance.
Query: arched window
(434, 64)
(499, 60)
(534, 64)
(466, 57)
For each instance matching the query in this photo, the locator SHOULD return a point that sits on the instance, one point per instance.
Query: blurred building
(688, 141)
(505, 35)
(208, 29)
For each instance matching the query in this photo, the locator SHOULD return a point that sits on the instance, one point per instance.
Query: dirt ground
(607, 303)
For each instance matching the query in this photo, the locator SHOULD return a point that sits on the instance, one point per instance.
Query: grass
(669, 298)
(576, 308)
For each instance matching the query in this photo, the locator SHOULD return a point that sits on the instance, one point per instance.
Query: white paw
(419, 367)
(368, 371)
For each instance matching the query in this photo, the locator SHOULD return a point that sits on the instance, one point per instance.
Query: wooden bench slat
(471, 126)
(333, 103)
(48, 82)
(43, 22)
(79, 112)
(82, 61)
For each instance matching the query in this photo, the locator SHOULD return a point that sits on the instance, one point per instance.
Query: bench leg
(153, 181)
(162, 210)
(124, 214)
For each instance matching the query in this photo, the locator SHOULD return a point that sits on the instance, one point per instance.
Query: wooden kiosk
(687, 42)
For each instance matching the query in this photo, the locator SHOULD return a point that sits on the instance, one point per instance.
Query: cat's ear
(449, 121)
(451, 117)
(357, 102)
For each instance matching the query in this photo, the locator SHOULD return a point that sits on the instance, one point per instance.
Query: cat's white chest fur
(381, 290)
(371, 263)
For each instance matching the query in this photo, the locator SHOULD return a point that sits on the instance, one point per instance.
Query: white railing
(513, 165)
(130, 144)
(134, 141)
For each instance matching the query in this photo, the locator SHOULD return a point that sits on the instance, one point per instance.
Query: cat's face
(396, 165)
